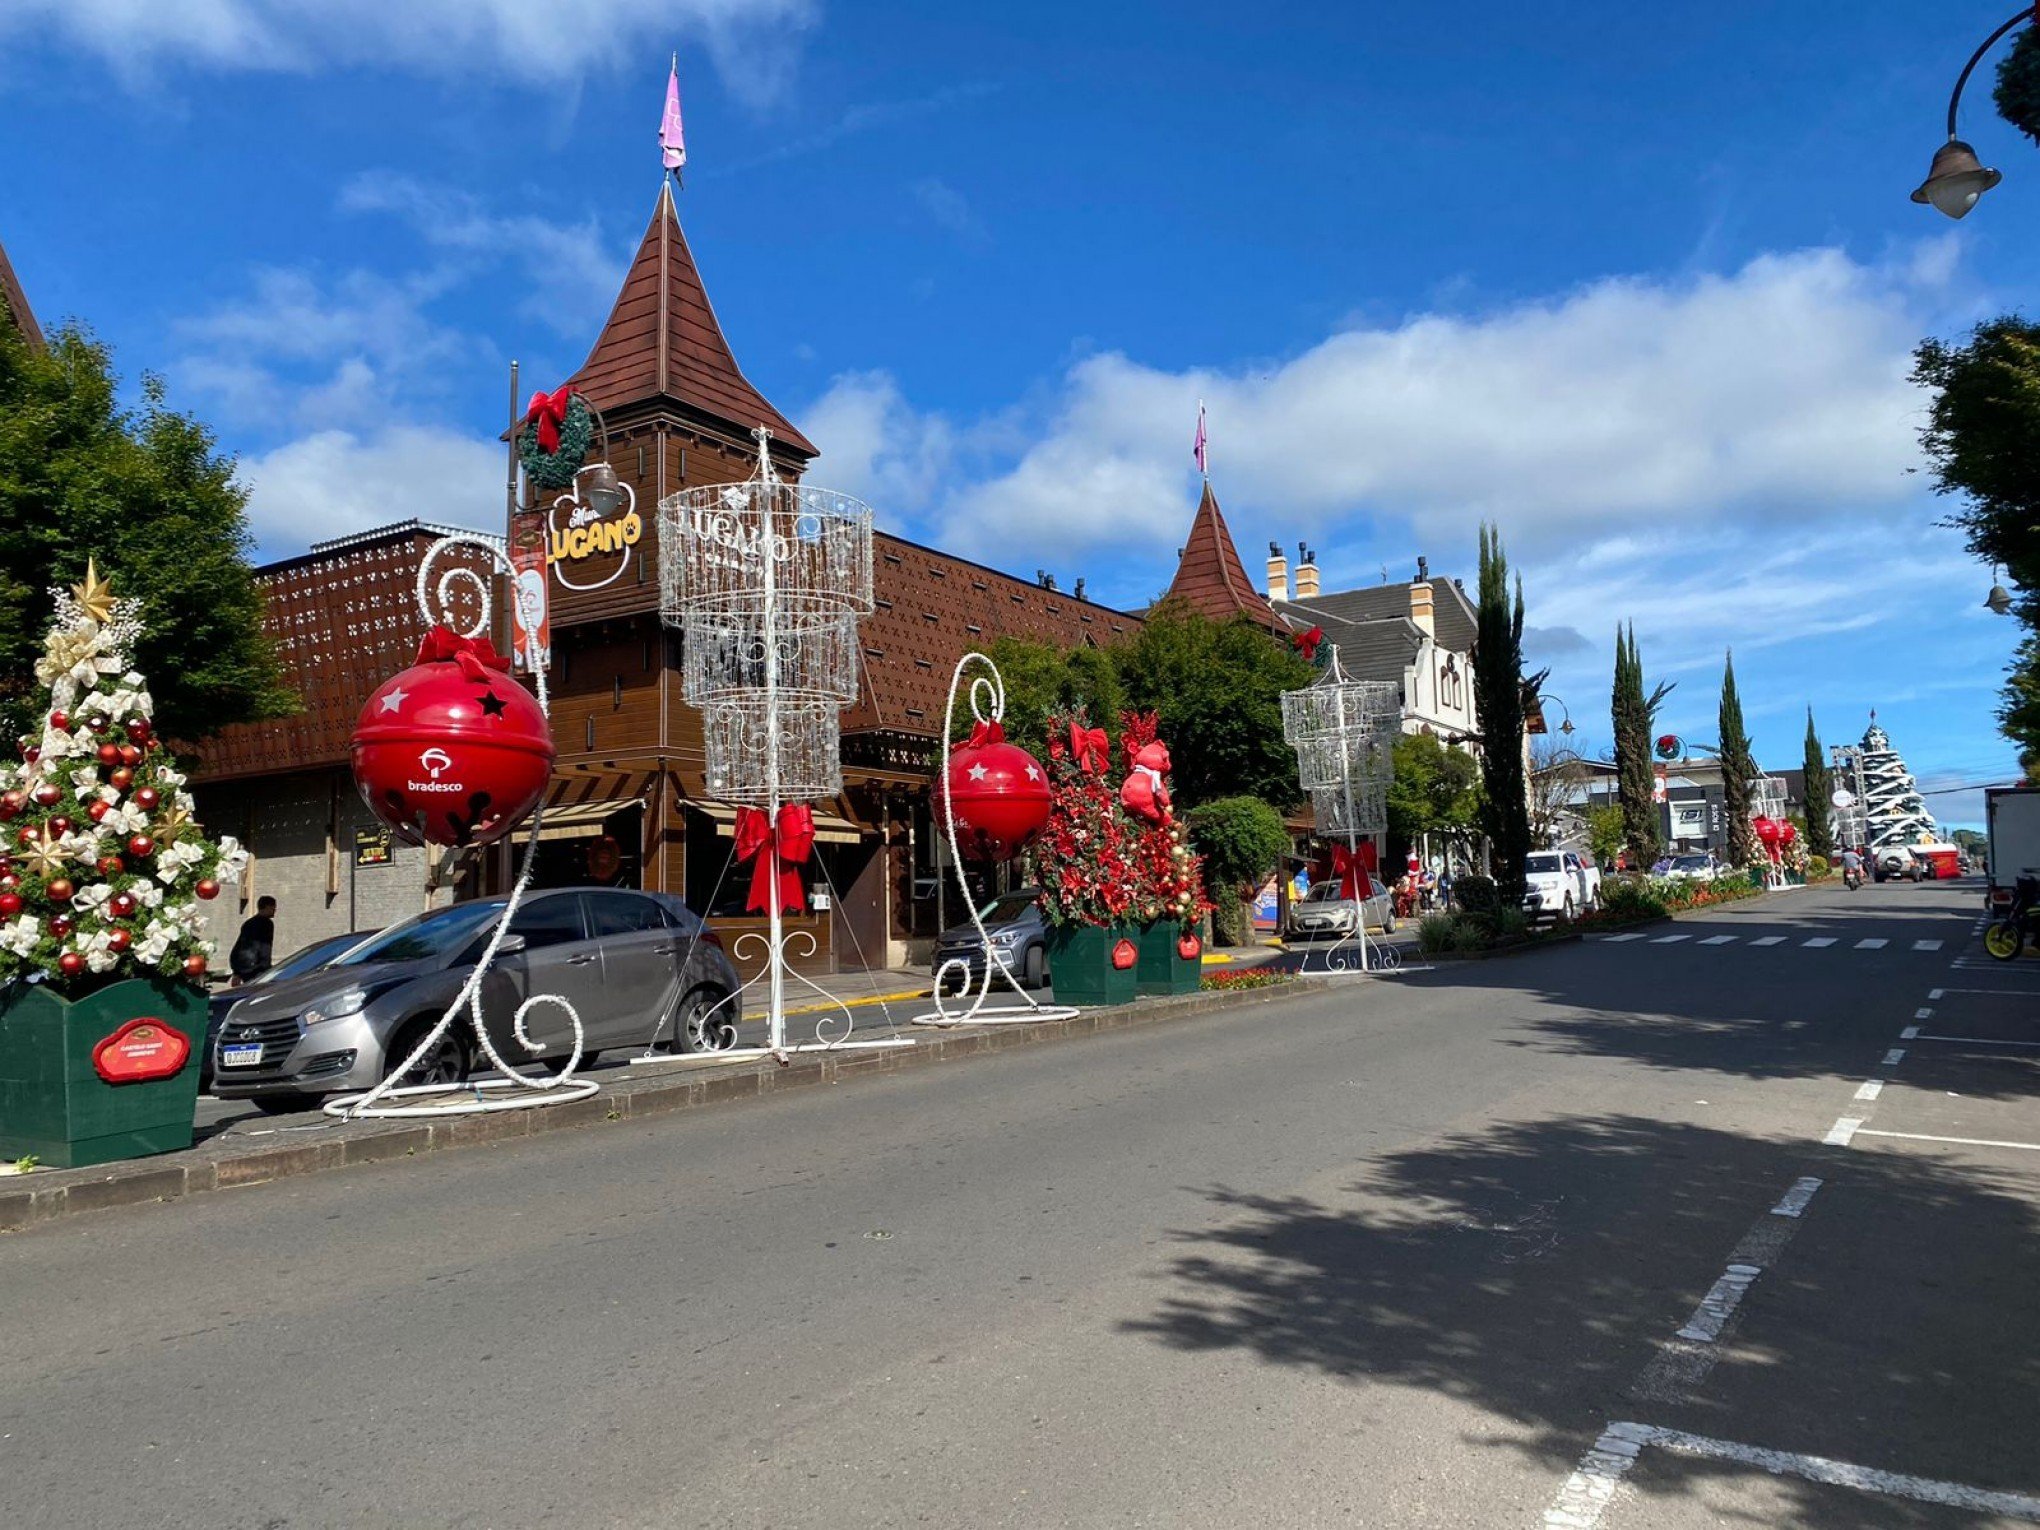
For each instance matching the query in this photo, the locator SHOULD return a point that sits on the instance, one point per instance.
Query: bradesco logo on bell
(436, 762)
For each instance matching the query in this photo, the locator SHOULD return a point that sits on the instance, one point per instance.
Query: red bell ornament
(452, 751)
(998, 793)
(1767, 830)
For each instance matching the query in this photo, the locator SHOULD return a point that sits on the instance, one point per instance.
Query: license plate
(241, 1056)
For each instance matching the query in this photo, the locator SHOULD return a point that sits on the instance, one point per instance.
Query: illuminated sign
(588, 535)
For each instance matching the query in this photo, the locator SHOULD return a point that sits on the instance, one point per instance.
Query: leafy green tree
(1820, 837)
(1498, 696)
(1217, 689)
(147, 495)
(1436, 790)
(1606, 833)
(1635, 716)
(1242, 840)
(1043, 681)
(1983, 438)
(1738, 770)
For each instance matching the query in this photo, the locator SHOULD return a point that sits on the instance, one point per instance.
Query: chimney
(1420, 600)
(1306, 573)
(1278, 573)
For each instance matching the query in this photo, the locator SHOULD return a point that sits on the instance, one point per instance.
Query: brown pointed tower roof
(662, 341)
(1210, 577)
(14, 303)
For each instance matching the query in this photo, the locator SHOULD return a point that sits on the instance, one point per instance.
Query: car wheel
(287, 1104)
(1031, 968)
(1568, 912)
(696, 1028)
(446, 1063)
(1388, 922)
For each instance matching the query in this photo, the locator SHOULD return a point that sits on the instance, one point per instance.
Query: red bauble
(119, 940)
(146, 798)
(97, 810)
(110, 866)
(121, 905)
(61, 721)
(48, 794)
(60, 825)
(1189, 947)
(30, 753)
(59, 889)
(70, 964)
(123, 778)
(452, 751)
(1767, 830)
(141, 847)
(1787, 833)
(60, 925)
(999, 796)
(109, 754)
(11, 804)
(9, 881)
(138, 729)
(207, 888)
(130, 755)
(96, 724)
(10, 904)
(194, 966)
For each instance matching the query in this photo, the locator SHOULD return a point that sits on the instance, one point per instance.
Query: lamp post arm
(2027, 13)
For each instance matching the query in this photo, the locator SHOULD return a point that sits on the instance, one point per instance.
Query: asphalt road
(1416, 1252)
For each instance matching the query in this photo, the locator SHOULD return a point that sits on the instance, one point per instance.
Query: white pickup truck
(1562, 884)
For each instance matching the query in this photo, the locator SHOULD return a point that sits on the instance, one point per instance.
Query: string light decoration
(1343, 731)
(766, 582)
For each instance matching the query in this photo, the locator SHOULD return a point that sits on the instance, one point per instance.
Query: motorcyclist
(1852, 868)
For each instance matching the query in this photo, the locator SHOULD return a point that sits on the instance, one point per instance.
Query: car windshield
(1322, 892)
(1538, 863)
(438, 933)
(1007, 907)
(310, 959)
(1691, 863)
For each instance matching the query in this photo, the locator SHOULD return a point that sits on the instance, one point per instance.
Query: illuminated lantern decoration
(452, 751)
(998, 793)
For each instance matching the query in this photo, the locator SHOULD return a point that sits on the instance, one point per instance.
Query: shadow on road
(1530, 1270)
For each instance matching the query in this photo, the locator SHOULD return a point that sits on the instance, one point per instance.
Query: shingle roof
(14, 303)
(662, 341)
(1377, 650)
(1452, 615)
(1210, 577)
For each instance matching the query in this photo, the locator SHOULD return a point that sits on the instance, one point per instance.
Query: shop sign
(144, 1048)
(531, 647)
(373, 847)
(586, 535)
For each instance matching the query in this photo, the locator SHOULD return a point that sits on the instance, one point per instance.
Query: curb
(50, 1195)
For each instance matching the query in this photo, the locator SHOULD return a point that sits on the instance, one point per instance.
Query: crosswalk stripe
(1665, 940)
(1874, 943)
(1818, 941)
(1926, 945)
(1718, 940)
(1768, 940)
(1616, 939)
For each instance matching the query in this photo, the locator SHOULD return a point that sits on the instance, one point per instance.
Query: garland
(575, 430)
(2018, 84)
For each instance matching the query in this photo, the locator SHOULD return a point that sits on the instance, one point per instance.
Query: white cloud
(334, 482)
(951, 211)
(753, 43)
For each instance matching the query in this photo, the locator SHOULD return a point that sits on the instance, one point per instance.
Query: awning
(830, 829)
(580, 820)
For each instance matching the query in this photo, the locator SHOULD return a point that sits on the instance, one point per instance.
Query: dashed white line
(2029, 1147)
(1954, 1495)
(1768, 940)
(1873, 943)
(1839, 1134)
(1893, 1058)
(1871, 1090)
(1592, 1485)
(1665, 940)
(1721, 1300)
(1719, 940)
(1615, 940)
(1981, 1041)
(1817, 942)
(1926, 945)
(1935, 993)
(1793, 1202)
(1924, 1012)
(1909, 1033)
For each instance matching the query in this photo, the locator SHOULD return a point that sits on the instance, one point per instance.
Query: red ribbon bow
(783, 851)
(1351, 868)
(476, 656)
(1307, 643)
(548, 411)
(983, 733)
(1088, 747)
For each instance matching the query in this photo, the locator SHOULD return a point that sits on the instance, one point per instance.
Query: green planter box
(1163, 968)
(1080, 965)
(54, 1104)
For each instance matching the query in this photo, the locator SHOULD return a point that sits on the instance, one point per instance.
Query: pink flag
(1197, 445)
(672, 137)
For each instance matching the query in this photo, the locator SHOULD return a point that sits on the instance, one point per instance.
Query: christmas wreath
(552, 443)
(2018, 84)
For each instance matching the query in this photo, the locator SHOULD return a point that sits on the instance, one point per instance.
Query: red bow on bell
(783, 851)
(1089, 748)
(993, 732)
(1350, 867)
(1307, 643)
(548, 411)
(476, 656)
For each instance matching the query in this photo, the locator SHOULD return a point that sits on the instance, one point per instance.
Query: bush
(1628, 899)
(1471, 933)
(1476, 895)
(1435, 933)
(1817, 867)
(1511, 924)
(1241, 840)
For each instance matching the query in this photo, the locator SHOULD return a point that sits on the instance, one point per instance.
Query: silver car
(640, 968)
(1322, 914)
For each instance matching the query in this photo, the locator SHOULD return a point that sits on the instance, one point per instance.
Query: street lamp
(1999, 600)
(1565, 727)
(1957, 178)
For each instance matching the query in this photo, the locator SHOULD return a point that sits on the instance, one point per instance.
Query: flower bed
(1253, 977)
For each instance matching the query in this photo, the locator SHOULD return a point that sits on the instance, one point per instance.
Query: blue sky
(1640, 285)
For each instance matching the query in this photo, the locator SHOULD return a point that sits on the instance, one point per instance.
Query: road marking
(1793, 1202)
(2030, 1147)
(1981, 1041)
(1843, 1129)
(1721, 1300)
(1926, 945)
(1924, 1012)
(1718, 940)
(1817, 942)
(1665, 940)
(1935, 993)
(1954, 1495)
(1874, 943)
(1768, 940)
(1592, 1485)
(1871, 1090)
(1893, 1058)
(1616, 939)
(1909, 1033)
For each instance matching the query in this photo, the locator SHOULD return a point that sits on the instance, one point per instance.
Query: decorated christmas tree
(101, 864)
(1086, 860)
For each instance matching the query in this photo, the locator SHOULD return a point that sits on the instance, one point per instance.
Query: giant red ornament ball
(453, 751)
(998, 793)
(1767, 830)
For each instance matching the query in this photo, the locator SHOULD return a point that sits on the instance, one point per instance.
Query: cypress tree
(1633, 715)
(1498, 692)
(1738, 769)
(1820, 833)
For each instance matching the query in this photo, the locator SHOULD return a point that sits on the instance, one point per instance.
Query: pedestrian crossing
(1808, 943)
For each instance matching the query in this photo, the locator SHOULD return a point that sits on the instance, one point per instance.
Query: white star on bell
(1033, 772)
(978, 772)
(395, 699)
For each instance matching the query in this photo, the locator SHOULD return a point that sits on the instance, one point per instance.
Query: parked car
(639, 967)
(1689, 868)
(1323, 911)
(306, 959)
(1562, 884)
(1018, 932)
(1901, 866)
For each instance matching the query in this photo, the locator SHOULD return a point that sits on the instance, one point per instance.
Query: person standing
(253, 947)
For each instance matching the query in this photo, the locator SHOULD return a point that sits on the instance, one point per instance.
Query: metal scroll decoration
(515, 1090)
(1343, 731)
(766, 582)
(987, 698)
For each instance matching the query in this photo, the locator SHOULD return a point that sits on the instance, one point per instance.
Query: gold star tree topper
(95, 596)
